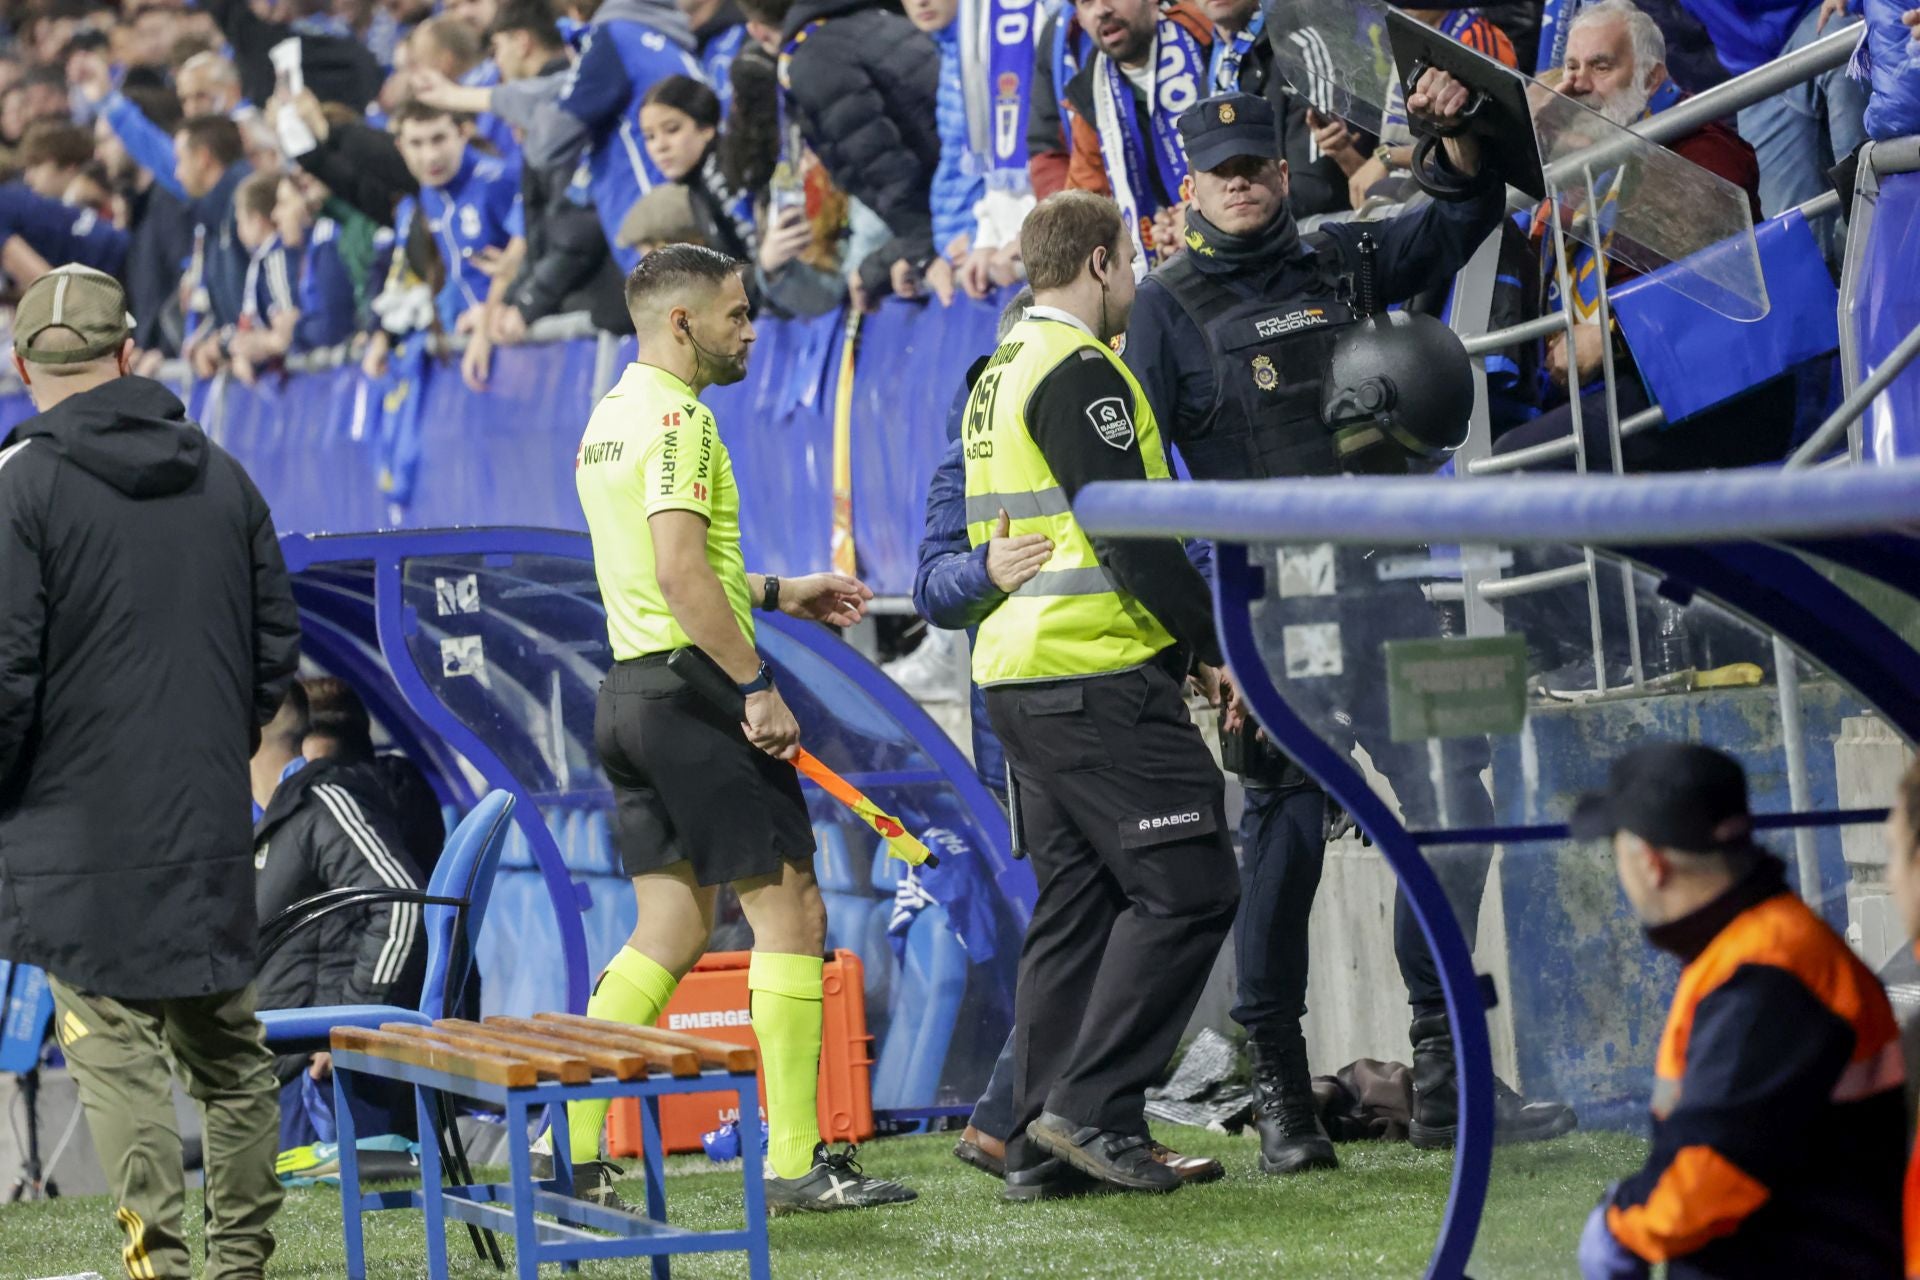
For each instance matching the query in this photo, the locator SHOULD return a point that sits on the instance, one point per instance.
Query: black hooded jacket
(147, 631)
(864, 83)
(332, 825)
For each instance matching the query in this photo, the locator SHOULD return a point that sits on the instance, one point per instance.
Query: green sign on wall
(1455, 688)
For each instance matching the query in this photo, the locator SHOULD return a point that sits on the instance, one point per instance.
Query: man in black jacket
(328, 824)
(860, 81)
(147, 630)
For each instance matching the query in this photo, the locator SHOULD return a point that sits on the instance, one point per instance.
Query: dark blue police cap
(1217, 129)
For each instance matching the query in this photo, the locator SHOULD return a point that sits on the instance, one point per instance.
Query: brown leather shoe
(983, 1151)
(1193, 1169)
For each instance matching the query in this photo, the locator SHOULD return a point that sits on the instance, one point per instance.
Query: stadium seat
(926, 1005)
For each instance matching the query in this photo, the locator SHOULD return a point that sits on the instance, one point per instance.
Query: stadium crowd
(271, 177)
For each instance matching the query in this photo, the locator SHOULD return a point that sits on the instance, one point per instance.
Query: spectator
(51, 156)
(861, 84)
(957, 183)
(719, 34)
(144, 38)
(267, 308)
(325, 295)
(158, 225)
(444, 48)
(91, 190)
(208, 86)
(630, 44)
(567, 264)
(1615, 65)
(1471, 28)
(1322, 155)
(1801, 132)
(57, 233)
(798, 266)
(1112, 86)
(143, 590)
(325, 824)
(335, 68)
(1889, 60)
(209, 167)
(1057, 53)
(663, 216)
(1778, 1113)
(463, 209)
(680, 120)
(43, 96)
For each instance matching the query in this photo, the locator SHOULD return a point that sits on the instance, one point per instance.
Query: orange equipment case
(712, 1001)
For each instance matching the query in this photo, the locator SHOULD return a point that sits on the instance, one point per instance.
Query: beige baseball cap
(81, 300)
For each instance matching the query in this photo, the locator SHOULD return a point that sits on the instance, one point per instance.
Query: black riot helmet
(1397, 393)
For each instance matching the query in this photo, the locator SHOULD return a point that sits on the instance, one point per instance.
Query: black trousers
(1122, 809)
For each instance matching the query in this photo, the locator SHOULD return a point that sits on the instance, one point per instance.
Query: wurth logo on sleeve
(708, 1018)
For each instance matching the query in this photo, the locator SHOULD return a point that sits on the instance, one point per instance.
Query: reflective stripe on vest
(1071, 618)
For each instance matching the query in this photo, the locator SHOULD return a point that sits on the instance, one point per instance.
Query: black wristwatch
(770, 594)
(762, 681)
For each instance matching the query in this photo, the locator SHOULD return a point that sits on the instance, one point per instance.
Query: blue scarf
(996, 78)
(1224, 71)
(1178, 71)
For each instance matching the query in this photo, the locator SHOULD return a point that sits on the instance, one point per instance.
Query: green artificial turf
(1376, 1217)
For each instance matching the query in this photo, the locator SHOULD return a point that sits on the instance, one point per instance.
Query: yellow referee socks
(787, 1009)
(634, 989)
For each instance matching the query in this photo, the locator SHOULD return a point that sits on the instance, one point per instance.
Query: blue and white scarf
(1223, 73)
(996, 78)
(1178, 72)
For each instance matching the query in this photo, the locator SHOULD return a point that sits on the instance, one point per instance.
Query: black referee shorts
(688, 786)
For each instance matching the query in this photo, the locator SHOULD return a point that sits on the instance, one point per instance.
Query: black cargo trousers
(1123, 814)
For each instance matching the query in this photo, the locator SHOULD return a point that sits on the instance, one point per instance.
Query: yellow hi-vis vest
(1071, 618)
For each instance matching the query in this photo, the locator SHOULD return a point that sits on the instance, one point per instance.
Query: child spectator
(680, 120)
(268, 312)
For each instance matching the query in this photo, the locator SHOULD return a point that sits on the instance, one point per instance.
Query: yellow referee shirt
(651, 446)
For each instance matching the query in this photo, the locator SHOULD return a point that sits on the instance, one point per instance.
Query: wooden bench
(519, 1065)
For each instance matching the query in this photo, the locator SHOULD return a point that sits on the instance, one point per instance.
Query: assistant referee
(703, 799)
(1120, 803)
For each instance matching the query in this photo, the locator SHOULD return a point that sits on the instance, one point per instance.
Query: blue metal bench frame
(511, 1206)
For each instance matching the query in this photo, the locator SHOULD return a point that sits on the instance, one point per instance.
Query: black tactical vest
(1267, 359)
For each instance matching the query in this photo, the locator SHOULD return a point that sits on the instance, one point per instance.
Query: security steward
(702, 794)
(1229, 340)
(1083, 666)
(1778, 1100)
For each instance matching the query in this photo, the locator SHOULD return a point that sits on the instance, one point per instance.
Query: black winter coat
(864, 84)
(332, 825)
(147, 630)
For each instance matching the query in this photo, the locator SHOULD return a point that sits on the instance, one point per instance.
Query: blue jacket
(269, 285)
(326, 291)
(951, 590)
(955, 190)
(630, 45)
(717, 52)
(1890, 60)
(223, 269)
(467, 215)
(59, 232)
(1747, 33)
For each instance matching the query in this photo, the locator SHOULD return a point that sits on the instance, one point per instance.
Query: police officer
(1228, 340)
(1083, 665)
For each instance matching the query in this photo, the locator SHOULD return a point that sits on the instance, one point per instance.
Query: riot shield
(1615, 193)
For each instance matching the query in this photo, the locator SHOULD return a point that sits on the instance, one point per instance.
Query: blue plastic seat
(456, 904)
(926, 1003)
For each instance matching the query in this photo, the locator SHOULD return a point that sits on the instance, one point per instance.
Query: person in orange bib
(1778, 1115)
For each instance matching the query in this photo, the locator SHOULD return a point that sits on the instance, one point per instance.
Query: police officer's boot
(1436, 1093)
(1292, 1139)
(1436, 1097)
